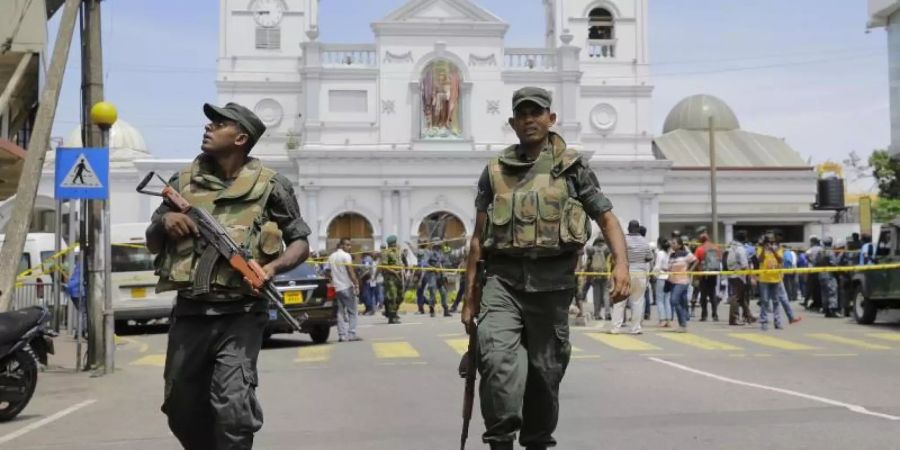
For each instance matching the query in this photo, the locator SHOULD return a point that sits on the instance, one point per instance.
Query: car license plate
(293, 298)
(140, 292)
(273, 315)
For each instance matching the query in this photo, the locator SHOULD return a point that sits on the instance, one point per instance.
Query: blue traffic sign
(82, 173)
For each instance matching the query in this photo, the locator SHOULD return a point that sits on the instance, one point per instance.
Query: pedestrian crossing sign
(82, 173)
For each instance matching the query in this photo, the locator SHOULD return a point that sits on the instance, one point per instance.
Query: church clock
(268, 13)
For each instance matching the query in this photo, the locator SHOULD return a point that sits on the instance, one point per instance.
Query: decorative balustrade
(336, 55)
(529, 59)
(601, 48)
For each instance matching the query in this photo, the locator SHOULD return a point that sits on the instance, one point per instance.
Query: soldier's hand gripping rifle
(220, 245)
(468, 366)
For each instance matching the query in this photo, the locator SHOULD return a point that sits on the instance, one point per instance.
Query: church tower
(260, 50)
(266, 28)
(607, 31)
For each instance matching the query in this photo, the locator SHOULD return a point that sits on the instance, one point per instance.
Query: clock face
(267, 13)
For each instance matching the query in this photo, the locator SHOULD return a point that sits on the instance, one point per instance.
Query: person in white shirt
(346, 287)
(663, 297)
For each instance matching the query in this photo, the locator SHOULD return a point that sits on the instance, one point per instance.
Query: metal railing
(601, 48)
(340, 55)
(529, 59)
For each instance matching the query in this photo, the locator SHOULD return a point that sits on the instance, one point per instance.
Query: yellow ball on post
(104, 114)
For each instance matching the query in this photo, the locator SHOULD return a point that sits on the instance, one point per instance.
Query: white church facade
(390, 137)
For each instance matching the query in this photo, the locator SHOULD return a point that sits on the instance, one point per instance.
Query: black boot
(501, 446)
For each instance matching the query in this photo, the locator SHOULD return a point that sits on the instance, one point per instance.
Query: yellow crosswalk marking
(460, 345)
(847, 341)
(158, 360)
(770, 341)
(314, 353)
(622, 342)
(886, 336)
(390, 350)
(576, 349)
(697, 341)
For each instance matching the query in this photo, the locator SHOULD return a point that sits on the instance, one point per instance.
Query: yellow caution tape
(39, 269)
(805, 270)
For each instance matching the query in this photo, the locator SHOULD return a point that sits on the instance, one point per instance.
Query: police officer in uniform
(534, 203)
(215, 337)
(393, 281)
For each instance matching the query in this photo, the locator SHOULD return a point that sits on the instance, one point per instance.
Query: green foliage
(886, 171)
(886, 209)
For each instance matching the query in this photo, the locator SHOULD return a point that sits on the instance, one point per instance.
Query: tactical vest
(533, 213)
(239, 209)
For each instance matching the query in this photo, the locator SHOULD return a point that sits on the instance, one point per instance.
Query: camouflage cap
(539, 96)
(240, 114)
(391, 240)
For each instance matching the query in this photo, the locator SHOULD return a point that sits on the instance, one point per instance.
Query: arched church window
(600, 21)
(441, 117)
(601, 34)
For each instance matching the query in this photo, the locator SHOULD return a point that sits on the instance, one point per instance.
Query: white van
(134, 294)
(37, 251)
(36, 286)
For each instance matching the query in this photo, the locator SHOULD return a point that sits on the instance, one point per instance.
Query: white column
(387, 214)
(729, 230)
(648, 214)
(566, 101)
(312, 216)
(312, 82)
(404, 216)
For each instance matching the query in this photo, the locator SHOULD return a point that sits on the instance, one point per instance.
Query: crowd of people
(373, 278)
(661, 276)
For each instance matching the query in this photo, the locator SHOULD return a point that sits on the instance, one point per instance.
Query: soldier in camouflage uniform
(827, 280)
(215, 337)
(534, 202)
(393, 280)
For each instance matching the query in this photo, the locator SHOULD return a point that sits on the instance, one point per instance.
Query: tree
(886, 209)
(886, 170)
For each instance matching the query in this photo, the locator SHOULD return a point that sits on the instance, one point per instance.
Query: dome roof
(693, 113)
(126, 144)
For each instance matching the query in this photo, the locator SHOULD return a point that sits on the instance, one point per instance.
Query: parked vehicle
(134, 294)
(25, 342)
(39, 247)
(875, 290)
(305, 292)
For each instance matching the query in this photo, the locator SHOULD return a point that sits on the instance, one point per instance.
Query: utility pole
(91, 94)
(104, 115)
(17, 229)
(712, 180)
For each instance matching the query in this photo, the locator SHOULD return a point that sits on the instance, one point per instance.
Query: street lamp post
(104, 115)
(712, 180)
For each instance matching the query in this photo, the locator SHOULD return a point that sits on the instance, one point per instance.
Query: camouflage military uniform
(537, 219)
(828, 281)
(215, 337)
(393, 281)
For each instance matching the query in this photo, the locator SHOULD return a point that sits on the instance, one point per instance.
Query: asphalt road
(822, 384)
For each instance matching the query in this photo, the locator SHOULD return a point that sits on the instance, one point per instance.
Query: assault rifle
(468, 366)
(220, 245)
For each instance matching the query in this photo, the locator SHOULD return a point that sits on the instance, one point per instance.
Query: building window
(601, 34)
(268, 38)
(601, 24)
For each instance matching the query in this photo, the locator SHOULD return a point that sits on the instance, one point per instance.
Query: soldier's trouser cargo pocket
(519, 386)
(210, 394)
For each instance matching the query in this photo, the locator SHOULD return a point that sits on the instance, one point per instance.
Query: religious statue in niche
(440, 101)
